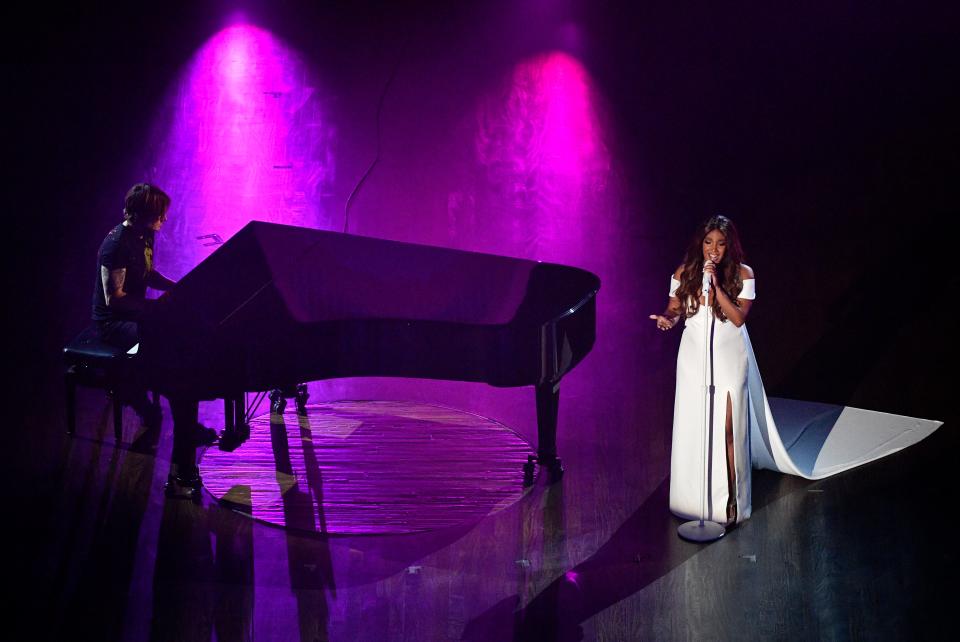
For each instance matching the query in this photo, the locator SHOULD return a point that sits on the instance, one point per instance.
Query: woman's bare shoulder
(746, 272)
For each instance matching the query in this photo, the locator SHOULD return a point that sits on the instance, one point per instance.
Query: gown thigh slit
(705, 481)
(731, 465)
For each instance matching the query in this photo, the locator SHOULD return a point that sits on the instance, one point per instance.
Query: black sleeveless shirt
(124, 247)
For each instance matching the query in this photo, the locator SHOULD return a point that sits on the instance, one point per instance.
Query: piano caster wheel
(301, 399)
(529, 469)
(277, 401)
(555, 470)
(233, 438)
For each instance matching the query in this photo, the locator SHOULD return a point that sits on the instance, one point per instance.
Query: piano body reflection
(277, 305)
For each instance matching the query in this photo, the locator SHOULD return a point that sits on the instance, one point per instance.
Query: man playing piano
(125, 269)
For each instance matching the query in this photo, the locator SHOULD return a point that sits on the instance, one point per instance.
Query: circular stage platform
(370, 467)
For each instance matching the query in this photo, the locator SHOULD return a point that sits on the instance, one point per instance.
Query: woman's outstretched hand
(664, 323)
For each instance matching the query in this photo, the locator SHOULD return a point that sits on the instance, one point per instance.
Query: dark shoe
(233, 438)
(203, 436)
(185, 484)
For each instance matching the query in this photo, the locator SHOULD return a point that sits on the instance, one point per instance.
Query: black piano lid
(314, 276)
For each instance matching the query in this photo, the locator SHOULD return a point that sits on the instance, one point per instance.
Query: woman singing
(712, 479)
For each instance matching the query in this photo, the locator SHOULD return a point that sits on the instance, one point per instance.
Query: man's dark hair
(145, 203)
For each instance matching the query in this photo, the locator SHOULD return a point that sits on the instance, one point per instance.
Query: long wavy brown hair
(728, 271)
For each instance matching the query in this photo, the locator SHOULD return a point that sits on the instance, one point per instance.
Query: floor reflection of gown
(808, 439)
(690, 495)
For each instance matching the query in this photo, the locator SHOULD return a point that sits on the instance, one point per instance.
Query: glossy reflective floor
(369, 468)
(863, 555)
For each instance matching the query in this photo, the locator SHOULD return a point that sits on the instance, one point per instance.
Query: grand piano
(278, 304)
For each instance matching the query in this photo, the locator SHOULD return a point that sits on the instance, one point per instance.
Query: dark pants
(125, 334)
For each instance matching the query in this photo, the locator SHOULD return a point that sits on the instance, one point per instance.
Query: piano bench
(93, 364)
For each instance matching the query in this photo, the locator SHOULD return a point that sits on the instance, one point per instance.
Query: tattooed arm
(114, 293)
(113, 281)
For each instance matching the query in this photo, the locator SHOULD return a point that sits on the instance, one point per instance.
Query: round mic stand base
(700, 530)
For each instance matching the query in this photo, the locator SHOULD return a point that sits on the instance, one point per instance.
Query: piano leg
(186, 481)
(548, 403)
(302, 396)
(278, 402)
(237, 430)
(278, 398)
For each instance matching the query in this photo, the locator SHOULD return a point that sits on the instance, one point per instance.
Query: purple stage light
(245, 135)
(242, 137)
(542, 146)
(537, 181)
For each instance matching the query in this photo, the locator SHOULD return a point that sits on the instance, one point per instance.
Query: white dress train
(807, 439)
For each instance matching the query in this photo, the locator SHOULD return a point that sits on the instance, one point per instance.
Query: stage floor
(105, 555)
(369, 468)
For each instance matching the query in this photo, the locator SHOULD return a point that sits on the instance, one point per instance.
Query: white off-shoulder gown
(698, 461)
(808, 439)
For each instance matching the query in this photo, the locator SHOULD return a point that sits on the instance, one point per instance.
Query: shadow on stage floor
(103, 553)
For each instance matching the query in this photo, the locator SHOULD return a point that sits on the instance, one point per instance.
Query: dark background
(829, 133)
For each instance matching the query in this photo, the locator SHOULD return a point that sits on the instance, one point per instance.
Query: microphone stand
(703, 530)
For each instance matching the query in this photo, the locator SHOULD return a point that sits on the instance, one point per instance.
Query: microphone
(706, 282)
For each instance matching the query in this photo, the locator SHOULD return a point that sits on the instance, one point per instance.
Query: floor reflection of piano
(277, 305)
